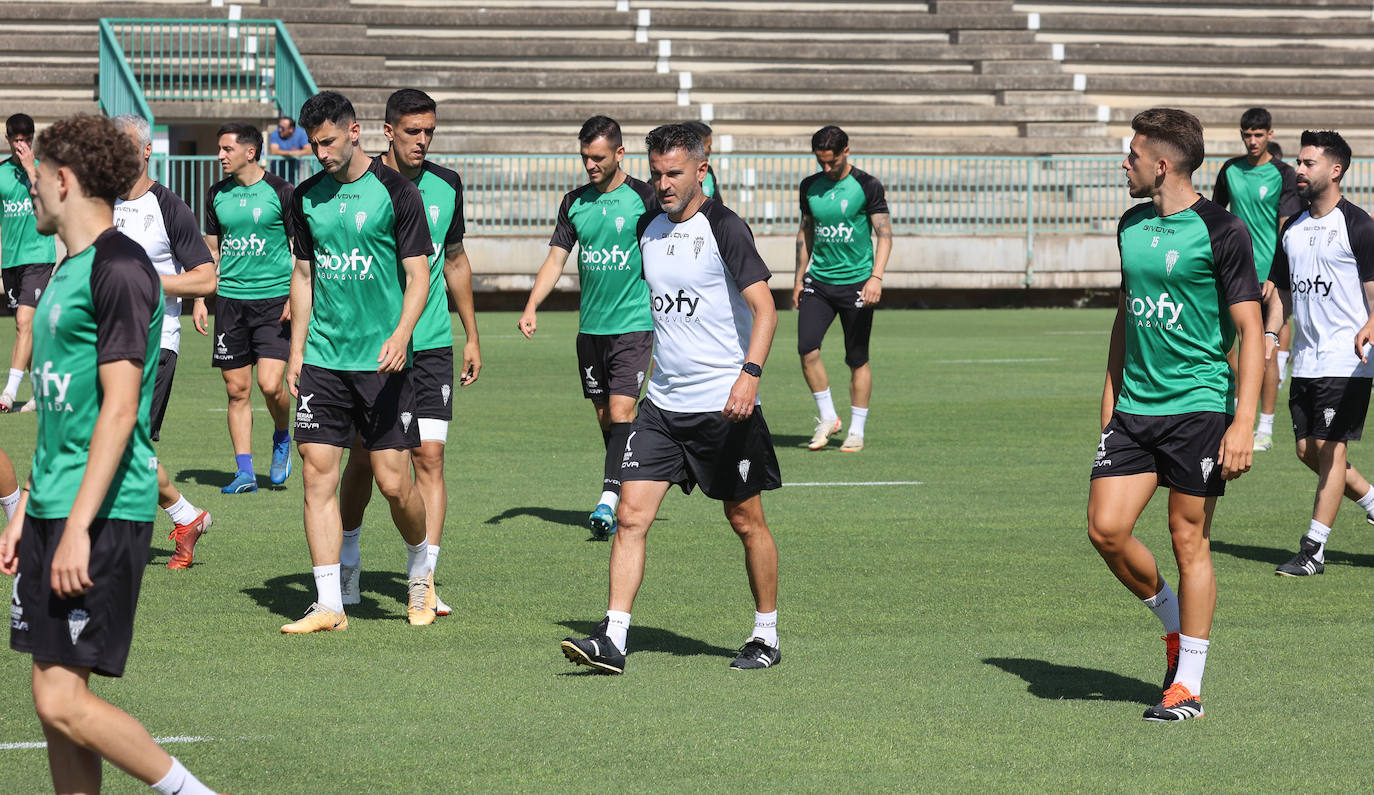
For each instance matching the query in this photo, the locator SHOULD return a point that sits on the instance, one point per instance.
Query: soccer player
(79, 542)
(1324, 274)
(839, 272)
(1261, 190)
(27, 257)
(287, 144)
(709, 186)
(615, 328)
(358, 289)
(245, 229)
(701, 423)
(160, 221)
(1188, 286)
(411, 117)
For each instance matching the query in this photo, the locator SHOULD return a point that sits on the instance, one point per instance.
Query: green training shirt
(103, 304)
(1180, 275)
(615, 297)
(442, 192)
(355, 236)
(20, 242)
(842, 241)
(1259, 196)
(254, 243)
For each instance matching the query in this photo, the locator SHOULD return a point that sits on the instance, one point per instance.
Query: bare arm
(458, 278)
(1366, 334)
(806, 239)
(882, 250)
(392, 357)
(1238, 445)
(193, 282)
(301, 300)
(1116, 362)
(544, 282)
(740, 404)
(1277, 306)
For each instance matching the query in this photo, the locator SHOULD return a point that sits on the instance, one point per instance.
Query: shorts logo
(1102, 448)
(859, 300)
(697, 243)
(445, 391)
(639, 379)
(1207, 465)
(1328, 415)
(626, 463)
(76, 622)
(37, 293)
(220, 347)
(619, 224)
(54, 315)
(405, 421)
(591, 382)
(744, 470)
(17, 621)
(257, 214)
(433, 214)
(1263, 191)
(359, 219)
(1170, 260)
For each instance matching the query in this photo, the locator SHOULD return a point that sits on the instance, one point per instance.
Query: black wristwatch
(752, 369)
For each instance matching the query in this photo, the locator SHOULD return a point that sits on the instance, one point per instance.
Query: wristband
(750, 368)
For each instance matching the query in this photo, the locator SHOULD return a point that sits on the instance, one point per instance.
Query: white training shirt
(695, 270)
(1324, 262)
(165, 227)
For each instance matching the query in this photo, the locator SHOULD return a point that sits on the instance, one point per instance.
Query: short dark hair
(105, 160)
(287, 119)
(1275, 151)
(665, 138)
(19, 124)
(829, 139)
(406, 102)
(1176, 128)
(601, 127)
(244, 133)
(1332, 144)
(1256, 119)
(701, 128)
(327, 106)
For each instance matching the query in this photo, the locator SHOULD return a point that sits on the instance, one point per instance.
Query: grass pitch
(956, 635)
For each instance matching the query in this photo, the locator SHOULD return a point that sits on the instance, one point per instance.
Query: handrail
(294, 83)
(120, 91)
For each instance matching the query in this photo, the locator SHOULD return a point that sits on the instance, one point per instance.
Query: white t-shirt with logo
(165, 227)
(696, 269)
(1324, 262)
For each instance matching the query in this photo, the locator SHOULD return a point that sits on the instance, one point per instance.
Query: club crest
(359, 219)
(406, 416)
(1170, 260)
(147, 222)
(1263, 191)
(257, 214)
(844, 205)
(446, 391)
(1207, 465)
(697, 244)
(1331, 236)
(76, 622)
(619, 224)
(1328, 415)
(744, 470)
(54, 315)
(433, 214)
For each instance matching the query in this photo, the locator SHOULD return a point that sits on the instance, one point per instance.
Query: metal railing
(519, 194)
(204, 60)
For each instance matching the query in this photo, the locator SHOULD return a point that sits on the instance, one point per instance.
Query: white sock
(179, 781)
(1266, 424)
(1165, 607)
(609, 498)
(766, 627)
(857, 419)
(182, 511)
(618, 628)
(349, 554)
(1367, 501)
(825, 405)
(1319, 532)
(417, 560)
(12, 386)
(11, 503)
(1192, 658)
(327, 587)
(1283, 362)
(432, 556)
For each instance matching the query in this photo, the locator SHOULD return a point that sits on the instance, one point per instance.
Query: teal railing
(519, 194)
(206, 60)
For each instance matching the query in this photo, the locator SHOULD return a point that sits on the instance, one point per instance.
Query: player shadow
(793, 440)
(1070, 682)
(1274, 556)
(382, 593)
(157, 556)
(219, 478)
(660, 640)
(551, 515)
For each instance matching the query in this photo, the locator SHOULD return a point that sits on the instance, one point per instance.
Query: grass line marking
(861, 483)
(994, 361)
(180, 738)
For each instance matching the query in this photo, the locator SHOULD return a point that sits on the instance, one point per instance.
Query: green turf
(957, 635)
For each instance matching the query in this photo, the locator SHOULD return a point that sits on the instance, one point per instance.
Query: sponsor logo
(682, 307)
(305, 419)
(1102, 445)
(1170, 260)
(1157, 312)
(257, 214)
(220, 347)
(433, 214)
(237, 244)
(50, 387)
(1328, 415)
(625, 462)
(836, 233)
(15, 207)
(17, 621)
(1207, 464)
(1161, 230)
(591, 382)
(1312, 288)
(613, 258)
(445, 391)
(76, 621)
(744, 470)
(1263, 191)
(351, 266)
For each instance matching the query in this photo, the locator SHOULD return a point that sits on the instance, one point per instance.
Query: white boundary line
(862, 483)
(1077, 333)
(180, 738)
(994, 361)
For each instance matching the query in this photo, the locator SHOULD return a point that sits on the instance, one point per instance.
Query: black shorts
(334, 406)
(431, 376)
(247, 330)
(816, 310)
(1330, 409)
(1181, 449)
(162, 388)
(613, 364)
(730, 460)
(90, 631)
(24, 284)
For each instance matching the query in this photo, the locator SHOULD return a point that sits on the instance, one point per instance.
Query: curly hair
(105, 160)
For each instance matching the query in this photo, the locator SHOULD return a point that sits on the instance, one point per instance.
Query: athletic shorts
(89, 631)
(816, 310)
(334, 406)
(162, 388)
(247, 330)
(1330, 409)
(613, 364)
(1181, 449)
(431, 376)
(24, 284)
(729, 460)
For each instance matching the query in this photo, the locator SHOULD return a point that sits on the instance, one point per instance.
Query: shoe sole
(415, 623)
(1183, 720)
(576, 655)
(246, 489)
(342, 625)
(1290, 574)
